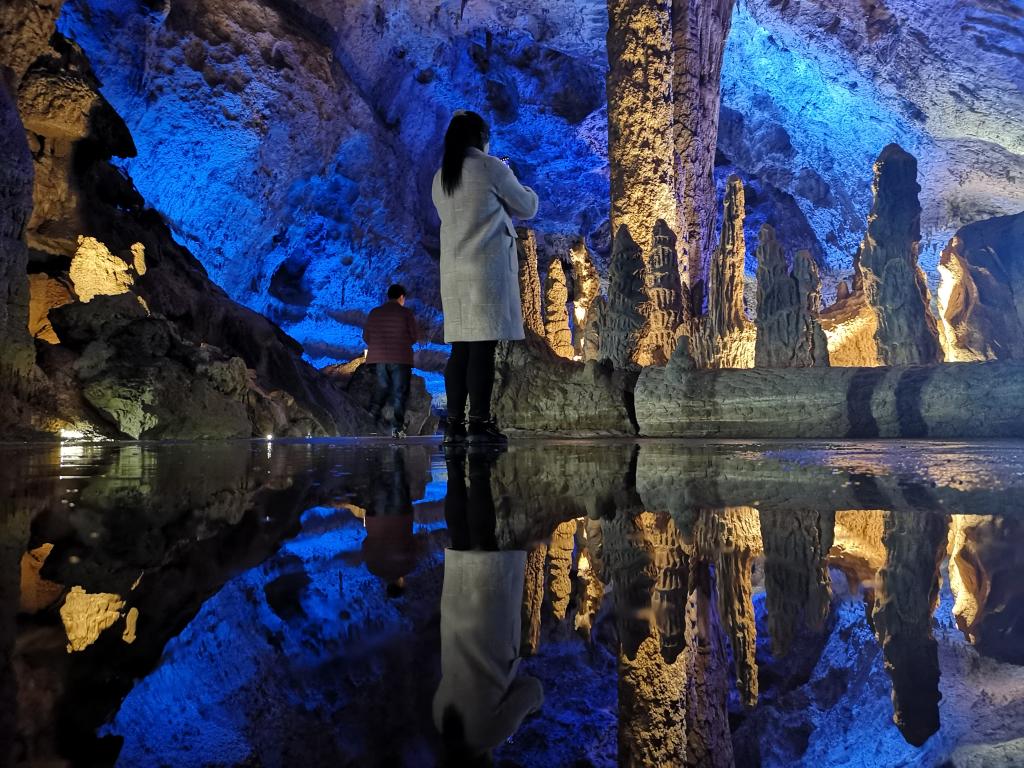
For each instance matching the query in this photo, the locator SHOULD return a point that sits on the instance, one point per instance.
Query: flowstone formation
(788, 332)
(142, 343)
(556, 314)
(724, 338)
(981, 293)
(894, 284)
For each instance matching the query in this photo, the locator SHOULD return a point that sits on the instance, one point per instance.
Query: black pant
(470, 375)
(392, 385)
(469, 512)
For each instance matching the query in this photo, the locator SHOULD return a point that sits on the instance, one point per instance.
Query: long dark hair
(467, 129)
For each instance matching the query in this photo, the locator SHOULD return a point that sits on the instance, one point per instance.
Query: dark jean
(469, 375)
(469, 508)
(392, 387)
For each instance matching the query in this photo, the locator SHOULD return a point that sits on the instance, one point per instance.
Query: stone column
(533, 598)
(699, 32)
(666, 308)
(586, 288)
(905, 598)
(623, 323)
(894, 284)
(556, 314)
(563, 542)
(529, 281)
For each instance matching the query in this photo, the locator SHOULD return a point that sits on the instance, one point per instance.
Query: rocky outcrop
(666, 305)
(359, 382)
(529, 281)
(964, 400)
(724, 338)
(894, 285)
(788, 332)
(981, 293)
(623, 322)
(905, 597)
(556, 314)
(849, 325)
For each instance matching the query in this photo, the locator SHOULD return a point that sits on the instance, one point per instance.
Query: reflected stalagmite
(796, 578)
(672, 573)
(529, 281)
(788, 332)
(894, 284)
(622, 324)
(556, 314)
(907, 589)
(560, 551)
(724, 338)
(533, 598)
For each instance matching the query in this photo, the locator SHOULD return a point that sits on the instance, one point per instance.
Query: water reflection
(669, 603)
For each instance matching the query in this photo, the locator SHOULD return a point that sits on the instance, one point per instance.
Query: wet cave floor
(562, 603)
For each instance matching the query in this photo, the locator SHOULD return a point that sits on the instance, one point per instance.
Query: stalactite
(560, 550)
(666, 308)
(699, 32)
(730, 538)
(529, 282)
(556, 315)
(788, 332)
(895, 287)
(907, 590)
(622, 324)
(796, 579)
(724, 338)
(533, 598)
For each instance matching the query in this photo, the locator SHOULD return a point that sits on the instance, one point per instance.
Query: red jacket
(390, 332)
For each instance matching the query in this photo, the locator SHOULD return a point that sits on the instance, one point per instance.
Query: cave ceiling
(291, 143)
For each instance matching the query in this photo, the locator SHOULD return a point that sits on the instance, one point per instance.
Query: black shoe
(455, 433)
(485, 433)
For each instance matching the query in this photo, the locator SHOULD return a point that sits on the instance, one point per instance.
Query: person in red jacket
(390, 332)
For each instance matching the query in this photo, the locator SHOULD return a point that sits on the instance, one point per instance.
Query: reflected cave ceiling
(291, 143)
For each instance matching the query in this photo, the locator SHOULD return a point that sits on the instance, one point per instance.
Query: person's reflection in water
(389, 549)
(480, 701)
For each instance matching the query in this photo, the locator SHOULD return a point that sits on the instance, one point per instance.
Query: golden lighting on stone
(86, 616)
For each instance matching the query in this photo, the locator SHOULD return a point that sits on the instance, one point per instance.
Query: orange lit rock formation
(556, 314)
(529, 281)
(623, 323)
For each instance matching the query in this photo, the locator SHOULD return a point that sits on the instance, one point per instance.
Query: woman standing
(476, 196)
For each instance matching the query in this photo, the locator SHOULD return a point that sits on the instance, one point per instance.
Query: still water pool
(583, 603)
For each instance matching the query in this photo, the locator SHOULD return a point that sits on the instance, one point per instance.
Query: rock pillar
(623, 323)
(529, 281)
(556, 315)
(788, 332)
(894, 285)
(666, 308)
(533, 598)
(586, 288)
(560, 551)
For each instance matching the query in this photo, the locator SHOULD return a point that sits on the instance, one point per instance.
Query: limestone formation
(666, 308)
(788, 332)
(591, 588)
(590, 342)
(981, 293)
(796, 579)
(963, 400)
(556, 314)
(724, 338)
(45, 293)
(533, 598)
(849, 326)
(586, 289)
(895, 287)
(560, 553)
(984, 563)
(529, 281)
(905, 597)
(623, 322)
(699, 32)
(95, 271)
(86, 616)
(537, 391)
(671, 566)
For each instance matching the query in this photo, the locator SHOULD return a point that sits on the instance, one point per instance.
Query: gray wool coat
(479, 267)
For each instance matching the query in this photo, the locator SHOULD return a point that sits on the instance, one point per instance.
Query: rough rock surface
(358, 381)
(981, 294)
(586, 288)
(529, 282)
(788, 332)
(666, 306)
(623, 321)
(894, 284)
(556, 312)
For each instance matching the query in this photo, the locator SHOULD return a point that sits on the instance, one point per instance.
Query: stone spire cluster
(556, 313)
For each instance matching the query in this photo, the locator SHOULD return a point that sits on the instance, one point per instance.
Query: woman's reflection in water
(480, 701)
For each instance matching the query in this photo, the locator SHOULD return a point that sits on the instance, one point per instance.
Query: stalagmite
(905, 597)
(981, 292)
(724, 338)
(796, 579)
(590, 338)
(666, 308)
(560, 550)
(699, 32)
(894, 285)
(586, 289)
(622, 325)
(672, 568)
(788, 332)
(730, 538)
(529, 281)
(556, 315)
(533, 598)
